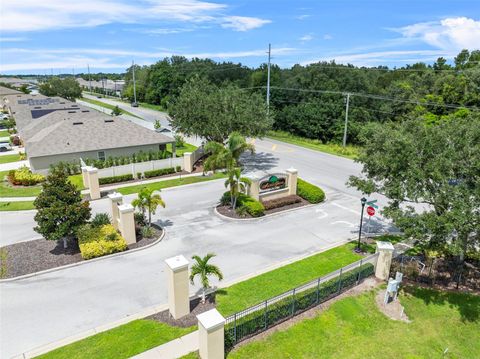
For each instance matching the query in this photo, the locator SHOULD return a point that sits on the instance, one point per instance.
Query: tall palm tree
(237, 185)
(147, 201)
(204, 270)
(226, 156)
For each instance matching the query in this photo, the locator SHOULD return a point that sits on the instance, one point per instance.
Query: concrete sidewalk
(173, 349)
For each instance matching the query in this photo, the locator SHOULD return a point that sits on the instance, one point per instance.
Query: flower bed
(24, 177)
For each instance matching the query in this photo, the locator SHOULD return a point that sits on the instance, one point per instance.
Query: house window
(101, 155)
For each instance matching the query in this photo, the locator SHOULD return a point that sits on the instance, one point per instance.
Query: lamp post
(363, 200)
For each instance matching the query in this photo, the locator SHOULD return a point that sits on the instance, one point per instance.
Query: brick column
(211, 335)
(177, 278)
(384, 260)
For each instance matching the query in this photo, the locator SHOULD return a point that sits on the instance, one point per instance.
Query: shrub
(139, 175)
(178, 168)
(99, 241)
(147, 232)
(242, 211)
(159, 172)
(115, 179)
(309, 192)
(253, 207)
(179, 140)
(100, 219)
(139, 218)
(24, 177)
(22, 156)
(280, 202)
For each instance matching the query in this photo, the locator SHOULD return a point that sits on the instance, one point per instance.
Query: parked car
(4, 147)
(134, 104)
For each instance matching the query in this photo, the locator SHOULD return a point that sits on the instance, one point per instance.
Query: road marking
(274, 147)
(346, 208)
(323, 214)
(344, 222)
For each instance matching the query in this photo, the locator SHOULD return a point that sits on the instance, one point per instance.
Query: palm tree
(204, 270)
(237, 185)
(147, 201)
(226, 156)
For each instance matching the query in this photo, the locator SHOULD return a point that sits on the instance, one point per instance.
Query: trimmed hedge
(115, 179)
(160, 172)
(99, 241)
(290, 305)
(24, 177)
(310, 192)
(252, 206)
(280, 202)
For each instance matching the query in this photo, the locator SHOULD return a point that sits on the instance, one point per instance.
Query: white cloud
(302, 17)
(12, 39)
(243, 23)
(166, 31)
(34, 15)
(306, 38)
(451, 34)
(327, 37)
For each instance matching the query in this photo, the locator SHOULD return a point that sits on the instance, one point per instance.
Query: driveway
(49, 307)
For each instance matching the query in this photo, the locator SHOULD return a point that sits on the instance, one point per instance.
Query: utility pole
(89, 79)
(268, 77)
(346, 120)
(134, 88)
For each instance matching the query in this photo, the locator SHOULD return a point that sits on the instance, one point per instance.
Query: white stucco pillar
(254, 188)
(93, 183)
(177, 278)
(384, 260)
(188, 161)
(116, 200)
(85, 176)
(126, 223)
(211, 335)
(292, 181)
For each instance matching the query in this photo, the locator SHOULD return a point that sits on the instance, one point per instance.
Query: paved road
(49, 307)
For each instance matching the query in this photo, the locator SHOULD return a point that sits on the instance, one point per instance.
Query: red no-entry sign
(370, 211)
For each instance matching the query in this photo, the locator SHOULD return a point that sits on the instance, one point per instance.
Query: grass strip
(9, 158)
(107, 106)
(16, 206)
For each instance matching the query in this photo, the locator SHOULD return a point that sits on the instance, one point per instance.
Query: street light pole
(347, 103)
(363, 200)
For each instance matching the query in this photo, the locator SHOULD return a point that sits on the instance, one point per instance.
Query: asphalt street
(45, 308)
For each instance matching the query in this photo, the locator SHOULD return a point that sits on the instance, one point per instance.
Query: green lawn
(9, 158)
(331, 148)
(255, 290)
(4, 133)
(121, 342)
(152, 107)
(16, 206)
(107, 106)
(354, 328)
(181, 150)
(170, 183)
(6, 190)
(77, 180)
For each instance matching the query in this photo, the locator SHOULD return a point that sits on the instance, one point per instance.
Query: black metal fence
(262, 316)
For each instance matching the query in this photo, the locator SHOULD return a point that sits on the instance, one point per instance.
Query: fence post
(235, 328)
(360, 271)
(340, 280)
(265, 314)
(318, 290)
(293, 302)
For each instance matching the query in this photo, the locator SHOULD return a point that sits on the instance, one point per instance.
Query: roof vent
(85, 111)
(108, 121)
(72, 111)
(77, 123)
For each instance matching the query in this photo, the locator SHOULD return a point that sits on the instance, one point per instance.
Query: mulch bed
(196, 308)
(40, 254)
(228, 212)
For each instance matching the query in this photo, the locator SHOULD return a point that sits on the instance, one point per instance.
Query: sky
(62, 36)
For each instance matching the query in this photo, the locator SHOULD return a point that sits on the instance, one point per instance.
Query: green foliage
(24, 177)
(147, 232)
(205, 110)
(179, 140)
(280, 202)
(310, 192)
(203, 269)
(227, 156)
(100, 219)
(60, 209)
(159, 172)
(115, 179)
(99, 241)
(67, 88)
(237, 184)
(148, 201)
(435, 166)
(116, 111)
(253, 207)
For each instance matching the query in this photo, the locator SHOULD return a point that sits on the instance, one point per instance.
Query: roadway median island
(123, 341)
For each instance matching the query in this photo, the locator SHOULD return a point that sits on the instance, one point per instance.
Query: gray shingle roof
(8, 91)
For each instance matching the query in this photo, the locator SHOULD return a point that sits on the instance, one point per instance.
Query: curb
(161, 307)
(267, 215)
(34, 274)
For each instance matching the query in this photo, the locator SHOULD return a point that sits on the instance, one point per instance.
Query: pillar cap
(125, 208)
(85, 168)
(92, 170)
(292, 170)
(211, 320)
(384, 246)
(187, 153)
(177, 263)
(115, 196)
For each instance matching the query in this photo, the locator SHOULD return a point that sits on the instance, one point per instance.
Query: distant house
(53, 129)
